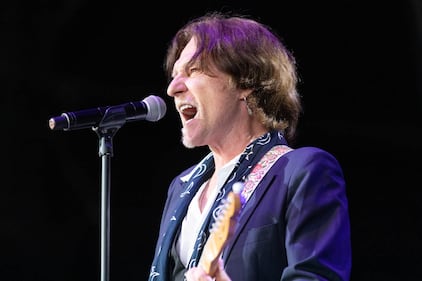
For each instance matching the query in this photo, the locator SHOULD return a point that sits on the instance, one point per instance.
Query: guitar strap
(214, 244)
(261, 168)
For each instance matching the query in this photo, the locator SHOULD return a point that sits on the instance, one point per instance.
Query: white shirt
(194, 218)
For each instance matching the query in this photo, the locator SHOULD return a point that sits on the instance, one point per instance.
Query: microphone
(152, 108)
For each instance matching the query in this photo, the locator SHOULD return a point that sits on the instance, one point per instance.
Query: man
(234, 86)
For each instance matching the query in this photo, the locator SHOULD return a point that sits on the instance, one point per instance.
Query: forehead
(186, 54)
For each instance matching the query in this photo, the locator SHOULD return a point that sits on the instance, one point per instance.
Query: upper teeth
(185, 106)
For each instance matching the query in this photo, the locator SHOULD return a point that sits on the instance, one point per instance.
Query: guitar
(222, 229)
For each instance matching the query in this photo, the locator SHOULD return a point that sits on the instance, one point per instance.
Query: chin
(192, 138)
(187, 142)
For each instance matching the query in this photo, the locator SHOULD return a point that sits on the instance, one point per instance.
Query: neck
(226, 151)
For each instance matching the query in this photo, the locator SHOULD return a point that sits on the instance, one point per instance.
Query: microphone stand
(113, 119)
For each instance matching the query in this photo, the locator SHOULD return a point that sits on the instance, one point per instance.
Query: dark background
(360, 64)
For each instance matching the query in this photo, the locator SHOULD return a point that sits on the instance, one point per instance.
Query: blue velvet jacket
(295, 226)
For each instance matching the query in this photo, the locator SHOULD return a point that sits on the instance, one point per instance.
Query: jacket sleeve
(318, 245)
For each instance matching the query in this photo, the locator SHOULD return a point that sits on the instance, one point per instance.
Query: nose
(176, 86)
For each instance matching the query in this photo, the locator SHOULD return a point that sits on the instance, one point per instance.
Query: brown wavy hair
(253, 56)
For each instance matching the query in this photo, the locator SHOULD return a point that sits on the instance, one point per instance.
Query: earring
(247, 106)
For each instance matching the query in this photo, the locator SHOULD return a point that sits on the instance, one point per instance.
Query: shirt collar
(231, 163)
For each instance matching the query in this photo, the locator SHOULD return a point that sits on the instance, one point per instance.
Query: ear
(243, 94)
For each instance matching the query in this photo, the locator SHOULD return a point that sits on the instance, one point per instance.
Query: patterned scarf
(247, 160)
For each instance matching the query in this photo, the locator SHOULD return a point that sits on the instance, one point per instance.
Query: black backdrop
(360, 65)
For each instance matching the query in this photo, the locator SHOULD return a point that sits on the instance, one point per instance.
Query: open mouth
(188, 111)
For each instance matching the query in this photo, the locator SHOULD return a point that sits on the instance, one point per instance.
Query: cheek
(198, 83)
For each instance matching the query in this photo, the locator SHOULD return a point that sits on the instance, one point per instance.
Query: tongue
(189, 111)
